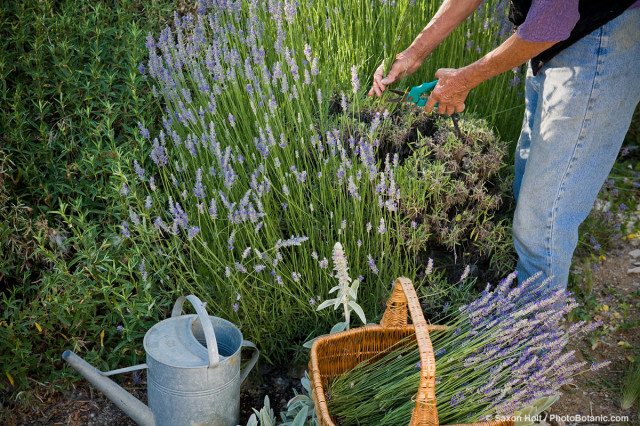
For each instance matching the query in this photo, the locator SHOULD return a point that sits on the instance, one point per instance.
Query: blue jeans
(578, 110)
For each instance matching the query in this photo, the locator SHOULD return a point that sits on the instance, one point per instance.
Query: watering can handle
(254, 358)
(207, 327)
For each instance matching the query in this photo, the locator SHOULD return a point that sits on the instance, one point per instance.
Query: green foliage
(71, 96)
(18, 255)
(301, 407)
(264, 417)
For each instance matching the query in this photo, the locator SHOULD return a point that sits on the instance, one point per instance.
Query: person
(581, 89)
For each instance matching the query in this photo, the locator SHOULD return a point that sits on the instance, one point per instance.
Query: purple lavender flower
(429, 267)
(159, 154)
(312, 301)
(622, 207)
(597, 366)
(355, 83)
(232, 120)
(148, 202)
(120, 329)
(372, 264)
(465, 273)
(235, 307)
(231, 240)
(141, 68)
(138, 169)
(324, 263)
(381, 228)
(240, 267)
(369, 227)
(353, 189)
(246, 252)
(292, 241)
(144, 132)
(125, 229)
(143, 270)
(158, 224)
(135, 219)
(124, 191)
(198, 189)
(192, 232)
(136, 378)
(213, 209)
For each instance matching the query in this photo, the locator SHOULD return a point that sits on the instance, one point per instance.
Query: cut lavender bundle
(502, 352)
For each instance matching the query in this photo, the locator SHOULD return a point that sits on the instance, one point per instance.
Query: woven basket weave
(334, 354)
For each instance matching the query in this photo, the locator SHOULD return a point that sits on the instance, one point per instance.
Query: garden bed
(596, 393)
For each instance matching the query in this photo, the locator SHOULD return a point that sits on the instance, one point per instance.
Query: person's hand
(450, 92)
(405, 64)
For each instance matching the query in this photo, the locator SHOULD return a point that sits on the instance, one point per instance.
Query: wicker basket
(334, 354)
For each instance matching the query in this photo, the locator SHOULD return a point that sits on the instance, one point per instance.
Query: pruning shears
(414, 95)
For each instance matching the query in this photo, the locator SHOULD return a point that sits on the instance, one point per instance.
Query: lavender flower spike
(355, 83)
(465, 273)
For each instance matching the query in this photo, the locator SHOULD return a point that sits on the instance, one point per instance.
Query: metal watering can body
(193, 371)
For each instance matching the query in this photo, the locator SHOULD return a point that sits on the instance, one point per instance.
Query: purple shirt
(552, 20)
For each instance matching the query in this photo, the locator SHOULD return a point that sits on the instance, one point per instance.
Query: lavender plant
(253, 189)
(451, 192)
(502, 353)
(249, 173)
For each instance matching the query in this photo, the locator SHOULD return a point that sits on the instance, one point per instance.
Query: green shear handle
(415, 94)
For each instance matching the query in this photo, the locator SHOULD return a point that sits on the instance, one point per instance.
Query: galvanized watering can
(193, 376)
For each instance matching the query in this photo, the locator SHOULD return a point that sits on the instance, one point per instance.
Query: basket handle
(425, 412)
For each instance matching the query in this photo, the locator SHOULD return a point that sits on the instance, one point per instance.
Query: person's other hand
(405, 64)
(450, 92)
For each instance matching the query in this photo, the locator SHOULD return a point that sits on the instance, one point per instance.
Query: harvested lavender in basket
(502, 352)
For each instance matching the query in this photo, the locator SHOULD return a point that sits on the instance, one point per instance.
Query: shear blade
(402, 98)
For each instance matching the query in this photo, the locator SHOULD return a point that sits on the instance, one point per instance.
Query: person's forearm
(448, 17)
(510, 54)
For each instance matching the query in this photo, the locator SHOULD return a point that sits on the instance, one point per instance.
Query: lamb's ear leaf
(301, 418)
(324, 304)
(341, 326)
(358, 310)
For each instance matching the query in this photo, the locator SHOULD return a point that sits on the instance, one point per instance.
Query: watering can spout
(135, 409)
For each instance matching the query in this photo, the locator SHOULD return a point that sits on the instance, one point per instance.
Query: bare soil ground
(615, 300)
(616, 293)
